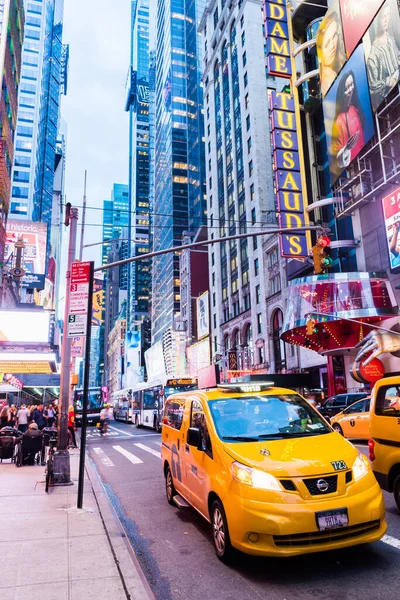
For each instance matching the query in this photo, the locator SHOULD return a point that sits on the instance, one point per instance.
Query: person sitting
(31, 444)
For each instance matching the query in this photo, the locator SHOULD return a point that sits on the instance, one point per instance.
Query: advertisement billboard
(24, 326)
(382, 51)
(203, 315)
(97, 307)
(198, 356)
(348, 115)
(391, 213)
(34, 236)
(155, 363)
(356, 18)
(330, 47)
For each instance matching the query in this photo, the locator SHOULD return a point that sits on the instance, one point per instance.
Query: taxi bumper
(286, 529)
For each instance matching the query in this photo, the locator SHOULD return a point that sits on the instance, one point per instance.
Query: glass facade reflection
(179, 202)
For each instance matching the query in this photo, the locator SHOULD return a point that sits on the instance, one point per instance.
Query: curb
(132, 577)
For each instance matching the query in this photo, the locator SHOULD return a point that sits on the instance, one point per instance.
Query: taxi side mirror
(194, 437)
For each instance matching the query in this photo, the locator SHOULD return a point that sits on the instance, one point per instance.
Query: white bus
(149, 397)
(125, 409)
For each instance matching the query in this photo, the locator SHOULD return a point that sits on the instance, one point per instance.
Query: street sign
(79, 288)
(76, 325)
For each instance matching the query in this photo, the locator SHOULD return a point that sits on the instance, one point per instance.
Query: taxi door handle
(187, 449)
(179, 443)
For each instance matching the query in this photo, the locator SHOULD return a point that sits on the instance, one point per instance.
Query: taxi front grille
(314, 489)
(325, 537)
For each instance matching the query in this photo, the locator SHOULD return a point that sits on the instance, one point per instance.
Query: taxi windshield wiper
(240, 438)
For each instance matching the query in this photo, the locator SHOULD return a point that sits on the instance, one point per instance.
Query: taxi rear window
(257, 417)
(388, 401)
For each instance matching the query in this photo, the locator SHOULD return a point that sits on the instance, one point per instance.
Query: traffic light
(311, 326)
(321, 253)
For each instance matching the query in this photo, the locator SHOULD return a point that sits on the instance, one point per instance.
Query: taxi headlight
(360, 467)
(254, 477)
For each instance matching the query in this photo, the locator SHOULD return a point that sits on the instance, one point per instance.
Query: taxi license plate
(332, 519)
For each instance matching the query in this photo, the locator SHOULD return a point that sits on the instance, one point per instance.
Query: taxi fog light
(254, 477)
(253, 537)
(360, 467)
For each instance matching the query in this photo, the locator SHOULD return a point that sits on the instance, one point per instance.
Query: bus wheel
(169, 487)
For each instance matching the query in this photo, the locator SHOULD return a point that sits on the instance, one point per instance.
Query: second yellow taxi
(267, 471)
(354, 421)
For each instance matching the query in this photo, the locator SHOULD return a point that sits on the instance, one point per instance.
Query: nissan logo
(322, 485)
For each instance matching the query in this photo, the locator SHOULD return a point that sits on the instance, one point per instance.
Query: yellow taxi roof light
(246, 387)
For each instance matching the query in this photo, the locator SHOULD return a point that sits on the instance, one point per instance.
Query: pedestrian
(50, 415)
(23, 418)
(106, 415)
(71, 424)
(38, 416)
(4, 416)
(12, 416)
(30, 447)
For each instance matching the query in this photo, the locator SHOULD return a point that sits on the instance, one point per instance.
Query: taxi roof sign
(246, 386)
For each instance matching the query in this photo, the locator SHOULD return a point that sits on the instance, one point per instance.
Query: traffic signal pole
(61, 466)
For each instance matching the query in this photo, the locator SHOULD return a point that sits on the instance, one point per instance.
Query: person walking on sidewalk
(50, 415)
(22, 418)
(71, 424)
(38, 416)
(4, 416)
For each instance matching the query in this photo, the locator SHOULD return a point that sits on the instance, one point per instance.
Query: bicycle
(49, 464)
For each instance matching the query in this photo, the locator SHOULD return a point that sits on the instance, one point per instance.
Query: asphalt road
(176, 552)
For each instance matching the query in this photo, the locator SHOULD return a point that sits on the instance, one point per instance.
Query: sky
(98, 34)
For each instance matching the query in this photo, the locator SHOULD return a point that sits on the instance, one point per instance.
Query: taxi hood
(296, 457)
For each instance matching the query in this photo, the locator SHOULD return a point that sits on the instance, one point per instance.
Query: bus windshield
(94, 402)
(176, 389)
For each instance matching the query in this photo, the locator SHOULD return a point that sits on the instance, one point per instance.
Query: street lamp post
(61, 466)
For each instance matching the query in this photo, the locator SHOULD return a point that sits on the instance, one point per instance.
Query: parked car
(335, 404)
(353, 422)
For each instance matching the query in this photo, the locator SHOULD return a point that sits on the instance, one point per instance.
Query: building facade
(240, 190)
(179, 198)
(11, 33)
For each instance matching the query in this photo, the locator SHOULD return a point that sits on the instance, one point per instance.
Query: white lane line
(107, 462)
(134, 459)
(147, 449)
(388, 539)
(120, 431)
(133, 435)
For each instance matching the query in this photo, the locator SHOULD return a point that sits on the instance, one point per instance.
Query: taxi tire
(396, 491)
(337, 428)
(169, 487)
(222, 543)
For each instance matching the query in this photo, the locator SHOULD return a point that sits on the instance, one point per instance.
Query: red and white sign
(9, 378)
(79, 288)
(391, 213)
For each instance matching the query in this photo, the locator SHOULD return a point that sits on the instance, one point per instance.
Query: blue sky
(98, 32)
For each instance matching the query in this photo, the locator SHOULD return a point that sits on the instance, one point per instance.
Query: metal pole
(85, 389)
(61, 473)
(228, 238)
(83, 218)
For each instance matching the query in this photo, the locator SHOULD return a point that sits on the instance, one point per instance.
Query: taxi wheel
(396, 491)
(169, 487)
(337, 428)
(222, 542)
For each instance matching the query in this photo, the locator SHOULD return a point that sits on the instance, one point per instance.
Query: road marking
(388, 539)
(107, 462)
(147, 449)
(121, 431)
(134, 459)
(133, 435)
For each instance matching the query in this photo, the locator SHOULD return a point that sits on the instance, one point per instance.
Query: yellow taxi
(353, 422)
(384, 445)
(267, 471)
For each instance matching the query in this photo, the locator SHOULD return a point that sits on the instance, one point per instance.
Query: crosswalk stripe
(147, 449)
(388, 539)
(131, 457)
(106, 461)
(121, 431)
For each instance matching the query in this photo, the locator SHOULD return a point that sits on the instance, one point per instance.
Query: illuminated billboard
(24, 326)
(23, 362)
(34, 236)
(356, 18)
(348, 115)
(198, 356)
(391, 213)
(330, 47)
(382, 51)
(203, 316)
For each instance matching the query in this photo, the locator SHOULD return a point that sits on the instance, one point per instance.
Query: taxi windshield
(253, 418)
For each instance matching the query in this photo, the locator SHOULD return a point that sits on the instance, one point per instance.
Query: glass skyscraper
(43, 79)
(179, 202)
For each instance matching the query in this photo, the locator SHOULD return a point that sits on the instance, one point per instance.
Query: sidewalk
(51, 550)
